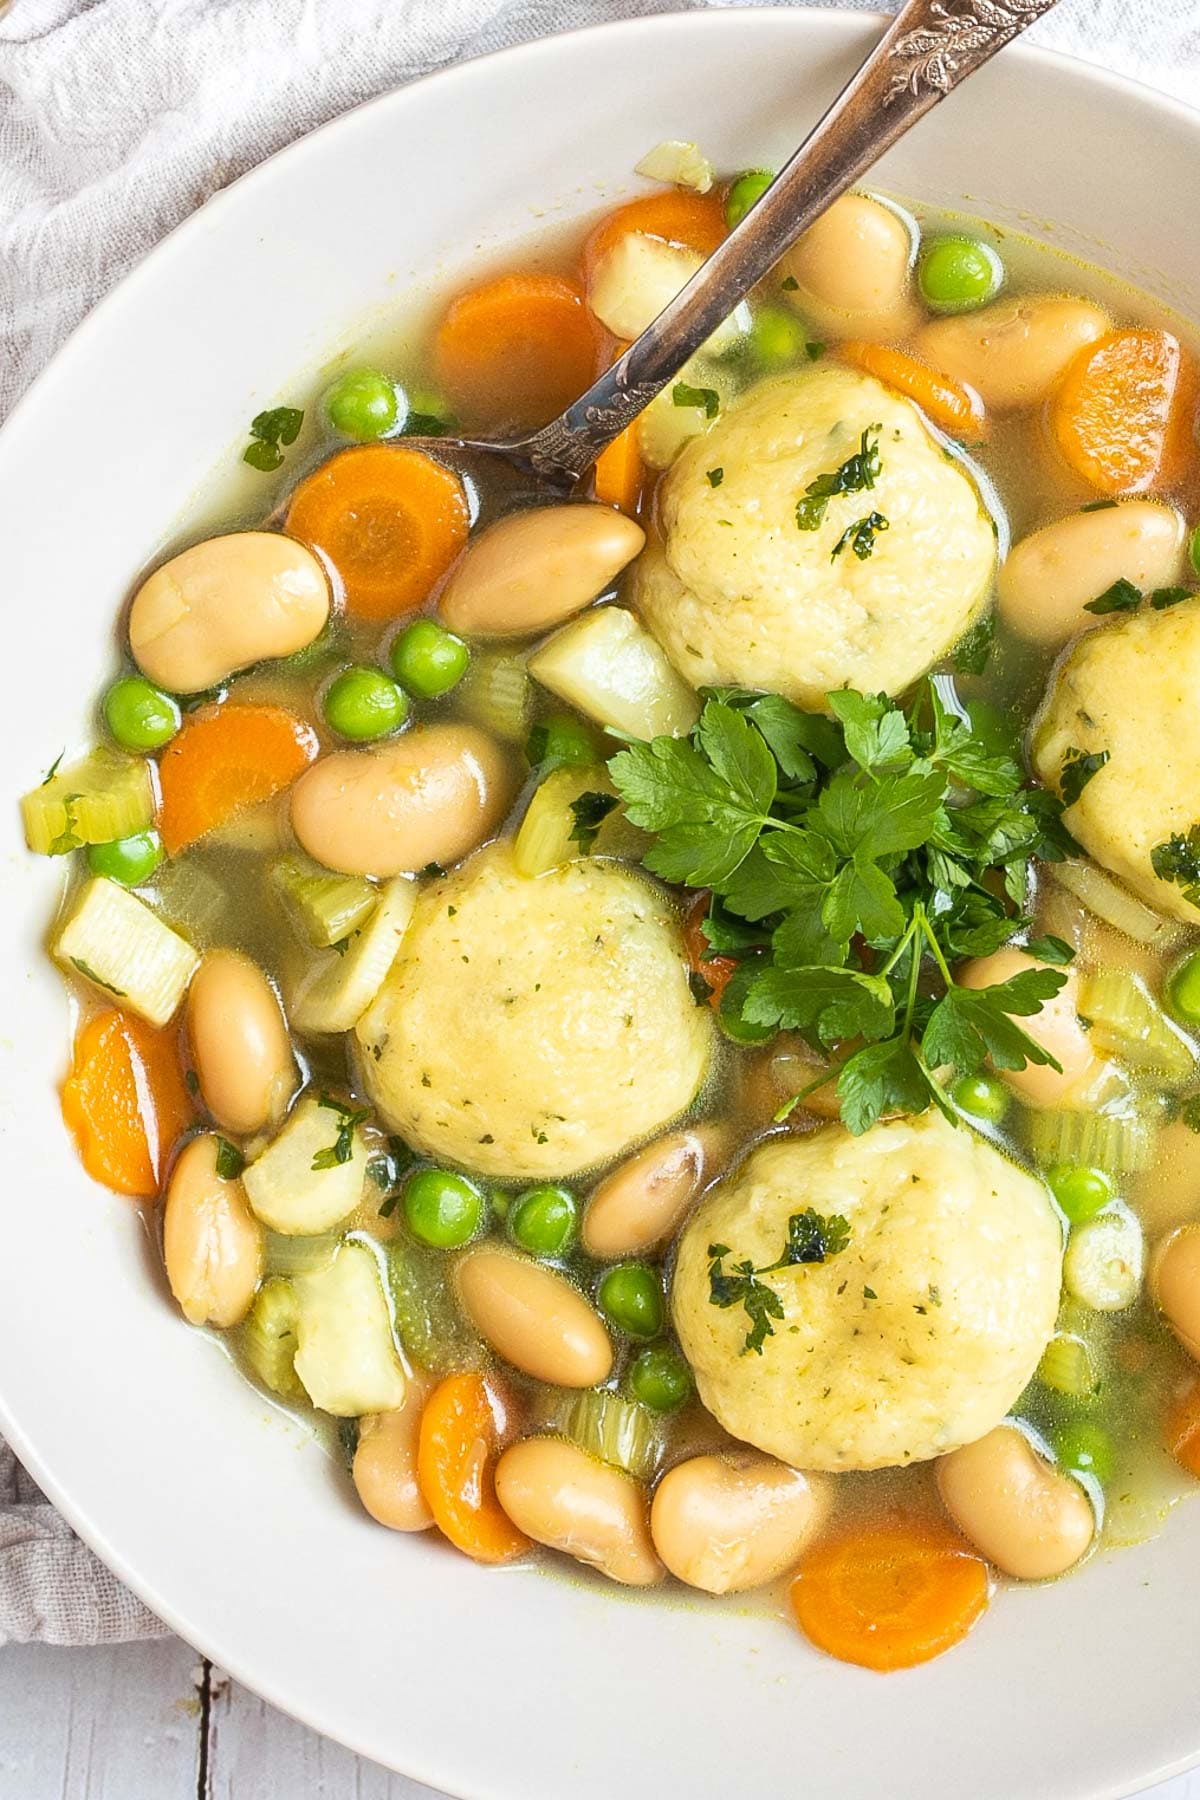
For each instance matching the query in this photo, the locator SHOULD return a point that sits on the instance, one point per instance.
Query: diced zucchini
(497, 693)
(114, 940)
(338, 988)
(616, 1430)
(609, 666)
(346, 1354)
(677, 161)
(269, 1339)
(1127, 1021)
(1120, 1142)
(289, 1256)
(428, 1319)
(326, 907)
(1068, 1367)
(287, 1193)
(103, 797)
(1115, 904)
(1104, 1260)
(544, 840)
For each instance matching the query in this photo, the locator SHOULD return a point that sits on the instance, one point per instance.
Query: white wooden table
(153, 1722)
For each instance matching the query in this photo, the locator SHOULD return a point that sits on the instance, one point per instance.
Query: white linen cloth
(117, 119)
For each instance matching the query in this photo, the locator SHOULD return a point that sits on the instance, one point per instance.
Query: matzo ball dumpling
(915, 1338)
(534, 1027)
(739, 594)
(1130, 692)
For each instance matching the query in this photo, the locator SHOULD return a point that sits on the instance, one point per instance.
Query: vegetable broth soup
(671, 1016)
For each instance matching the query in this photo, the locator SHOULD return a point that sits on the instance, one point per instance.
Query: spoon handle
(929, 48)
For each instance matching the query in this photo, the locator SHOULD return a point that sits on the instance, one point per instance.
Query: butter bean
(240, 1044)
(1056, 1028)
(212, 1243)
(638, 1206)
(429, 796)
(853, 270)
(385, 1464)
(224, 604)
(561, 1497)
(534, 1318)
(735, 1521)
(1013, 352)
(1175, 1284)
(535, 569)
(1026, 1517)
(1051, 575)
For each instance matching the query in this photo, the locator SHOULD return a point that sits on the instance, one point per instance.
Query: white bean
(638, 1206)
(212, 1243)
(1050, 576)
(735, 1521)
(1013, 352)
(1056, 1028)
(1025, 1516)
(534, 1318)
(535, 569)
(565, 1499)
(240, 1044)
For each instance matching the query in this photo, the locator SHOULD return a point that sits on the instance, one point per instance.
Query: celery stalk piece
(268, 1339)
(616, 1430)
(431, 1326)
(114, 941)
(291, 1195)
(336, 990)
(609, 666)
(1121, 1143)
(346, 1353)
(1068, 1367)
(327, 907)
(545, 838)
(1104, 1260)
(497, 693)
(103, 797)
(1127, 1022)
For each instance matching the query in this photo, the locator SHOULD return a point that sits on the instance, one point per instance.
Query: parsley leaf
(1077, 770)
(682, 394)
(1122, 596)
(269, 431)
(811, 1238)
(855, 476)
(1161, 598)
(589, 813)
(52, 771)
(230, 1161)
(342, 1147)
(1178, 860)
(876, 734)
(715, 477)
(860, 536)
(1050, 950)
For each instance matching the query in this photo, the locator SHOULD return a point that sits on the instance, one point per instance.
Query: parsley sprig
(342, 1147)
(855, 476)
(811, 1238)
(852, 863)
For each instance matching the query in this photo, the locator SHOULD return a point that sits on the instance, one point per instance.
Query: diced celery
(497, 693)
(269, 1341)
(291, 1256)
(291, 1195)
(346, 1354)
(665, 426)
(1104, 1260)
(1120, 1142)
(616, 1430)
(431, 1326)
(1127, 1021)
(1068, 1367)
(327, 907)
(336, 991)
(678, 161)
(103, 797)
(188, 895)
(546, 835)
(1115, 904)
(114, 940)
(609, 666)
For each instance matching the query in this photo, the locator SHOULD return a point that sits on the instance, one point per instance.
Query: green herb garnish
(86, 969)
(1122, 596)
(857, 474)
(1161, 598)
(715, 477)
(589, 813)
(230, 1161)
(269, 432)
(52, 771)
(708, 398)
(1077, 770)
(68, 838)
(342, 1147)
(1178, 860)
(1097, 506)
(811, 1238)
(1051, 950)
(860, 536)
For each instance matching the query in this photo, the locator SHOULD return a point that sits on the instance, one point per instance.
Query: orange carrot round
(514, 352)
(890, 1596)
(695, 221)
(389, 520)
(125, 1101)
(1123, 416)
(953, 407)
(225, 759)
(620, 473)
(1181, 1430)
(456, 1457)
(717, 971)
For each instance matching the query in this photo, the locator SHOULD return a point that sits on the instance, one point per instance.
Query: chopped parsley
(1051, 950)
(708, 398)
(811, 1238)
(1098, 506)
(230, 1161)
(269, 432)
(1178, 860)
(715, 477)
(387, 1169)
(789, 284)
(589, 813)
(855, 476)
(86, 969)
(342, 1147)
(1122, 596)
(52, 771)
(860, 536)
(1161, 598)
(1077, 770)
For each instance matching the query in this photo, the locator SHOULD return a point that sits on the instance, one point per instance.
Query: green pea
(778, 337)
(1194, 549)
(956, 274)
(659, 1378)
(139, 715)
(981, 1097)
(442, 1209)
(129, 860)
(743, 191)
(362, 703)
(631, 1299)
(1183, 990)
(362, 404)
(561, 741)
(1081, 1192)
(1086, 1449)
(543, 1219)
(428, 660)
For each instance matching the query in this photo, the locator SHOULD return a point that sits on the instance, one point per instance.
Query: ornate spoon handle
(930, 47)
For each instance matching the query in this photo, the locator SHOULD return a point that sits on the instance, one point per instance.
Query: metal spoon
(928, 50)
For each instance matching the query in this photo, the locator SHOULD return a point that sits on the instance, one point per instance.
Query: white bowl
(225, 1516)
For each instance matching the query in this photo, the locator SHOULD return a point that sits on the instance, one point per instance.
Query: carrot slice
(456, 1455)
(125, 1101)
(1123, 414)
(1182, 1429)
(953, 407)
(620, 473)
(715, 970)
(514, 352)
(225, 759)
(390, 520)
(696, 221)
(890, 1596)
